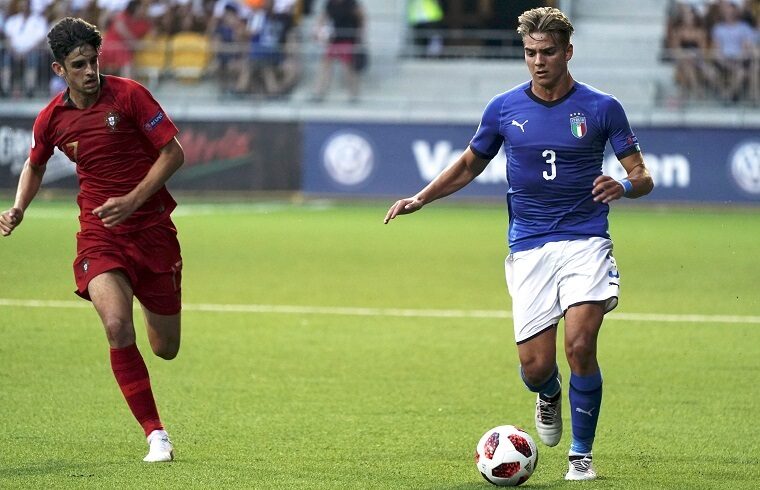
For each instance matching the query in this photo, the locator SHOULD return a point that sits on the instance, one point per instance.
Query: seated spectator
(266, 70)
(227, 34)
(688, 45)
(25, 34)
(122, 38)
(733, 43)
(341, 25)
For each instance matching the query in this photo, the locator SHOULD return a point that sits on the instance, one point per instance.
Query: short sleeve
(488, 138)
(41, 149)
(619, 132)
(153, 121)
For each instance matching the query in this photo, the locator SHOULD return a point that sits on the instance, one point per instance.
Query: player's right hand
(9, 220)
(403, 206)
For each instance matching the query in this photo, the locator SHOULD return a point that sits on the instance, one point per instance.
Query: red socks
(132, 376)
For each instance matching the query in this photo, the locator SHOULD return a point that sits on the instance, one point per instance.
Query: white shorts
(544, 282)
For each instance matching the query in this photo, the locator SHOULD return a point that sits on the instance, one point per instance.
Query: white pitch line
(392, 312)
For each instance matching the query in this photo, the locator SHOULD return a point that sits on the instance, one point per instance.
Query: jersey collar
(549, 103)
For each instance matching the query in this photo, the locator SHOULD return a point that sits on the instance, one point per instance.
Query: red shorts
(341, 51)
(150, 258)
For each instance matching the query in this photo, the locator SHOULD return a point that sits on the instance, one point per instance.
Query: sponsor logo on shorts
(85, 265)
(151, 125)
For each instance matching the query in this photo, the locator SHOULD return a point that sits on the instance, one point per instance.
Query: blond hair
(546, 20)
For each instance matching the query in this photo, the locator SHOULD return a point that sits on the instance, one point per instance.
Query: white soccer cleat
(161, 449)
(580, 468)
(549, 417)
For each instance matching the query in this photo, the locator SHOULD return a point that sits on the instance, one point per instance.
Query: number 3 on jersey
(552, 157)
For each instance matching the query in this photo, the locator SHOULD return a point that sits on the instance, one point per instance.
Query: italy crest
(578, 125)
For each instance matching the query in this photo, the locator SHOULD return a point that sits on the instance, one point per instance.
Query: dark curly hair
(71, 33)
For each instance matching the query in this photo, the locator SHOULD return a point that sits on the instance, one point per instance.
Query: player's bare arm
(457, 175)
(117, 209)
(607, 189)
(28, 185)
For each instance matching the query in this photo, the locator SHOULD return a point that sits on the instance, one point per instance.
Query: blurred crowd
(250, 46)
(715, 46)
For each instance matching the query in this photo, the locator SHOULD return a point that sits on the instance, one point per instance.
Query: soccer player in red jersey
(124, 147)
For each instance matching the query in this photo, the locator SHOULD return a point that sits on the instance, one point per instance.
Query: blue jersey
(554, 152)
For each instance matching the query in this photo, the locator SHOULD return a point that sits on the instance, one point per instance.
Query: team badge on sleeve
(112, 119)
(578, 125)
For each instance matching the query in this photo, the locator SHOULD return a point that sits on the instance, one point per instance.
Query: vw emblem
(745, 166)
(348, 158)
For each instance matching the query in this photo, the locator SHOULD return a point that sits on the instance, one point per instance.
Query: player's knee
(537, 369)
(580, 352)
(166, 350)
(119, 331)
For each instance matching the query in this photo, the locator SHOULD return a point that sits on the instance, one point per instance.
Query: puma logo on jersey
(587, 412)
(521, 126)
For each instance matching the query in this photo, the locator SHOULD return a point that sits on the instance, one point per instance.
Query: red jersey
(113, 143)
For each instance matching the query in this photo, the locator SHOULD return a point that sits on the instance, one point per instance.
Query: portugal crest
(578, 125)
(112, 119)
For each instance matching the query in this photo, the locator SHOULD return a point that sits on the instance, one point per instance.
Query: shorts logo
(85, 265)
(151, 125)
(578, 125)
(112, 119)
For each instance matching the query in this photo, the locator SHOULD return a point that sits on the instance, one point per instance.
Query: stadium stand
(619, 49)
(190, 53)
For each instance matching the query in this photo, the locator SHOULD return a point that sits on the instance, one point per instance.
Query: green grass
(270, 400)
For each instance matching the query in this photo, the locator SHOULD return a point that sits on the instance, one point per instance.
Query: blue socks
(585, 402)
(548, 388)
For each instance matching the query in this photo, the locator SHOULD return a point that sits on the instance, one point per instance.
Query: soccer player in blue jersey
(554, 131)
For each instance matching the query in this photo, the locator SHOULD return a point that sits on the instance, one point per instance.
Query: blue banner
(711, 165)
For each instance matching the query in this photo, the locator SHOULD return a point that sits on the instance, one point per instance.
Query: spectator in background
(286, 11)
(341, 24)
(107, 10)
(229, 30)
(265, 70)
(688, 45)
(259, 71)
(424, 17)
(25, 32)
(754, 68)
(733, 44)
(85, 9)
(122, 38)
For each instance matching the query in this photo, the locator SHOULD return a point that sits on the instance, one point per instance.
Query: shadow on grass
(71, 470)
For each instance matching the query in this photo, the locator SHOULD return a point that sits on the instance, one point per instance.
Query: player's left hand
(607, 189)
(115, 210)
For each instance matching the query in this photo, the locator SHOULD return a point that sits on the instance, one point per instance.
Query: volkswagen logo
(348, 158)
(745, 166)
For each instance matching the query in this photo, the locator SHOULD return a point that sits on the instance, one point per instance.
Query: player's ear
(568, 52)
(58, 69)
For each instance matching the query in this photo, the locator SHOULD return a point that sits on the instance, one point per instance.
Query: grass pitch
(322, 349)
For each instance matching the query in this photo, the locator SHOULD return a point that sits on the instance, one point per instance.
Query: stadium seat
(190, 55)
(151, 58)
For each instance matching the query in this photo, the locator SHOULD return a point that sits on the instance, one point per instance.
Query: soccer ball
(506, 456)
